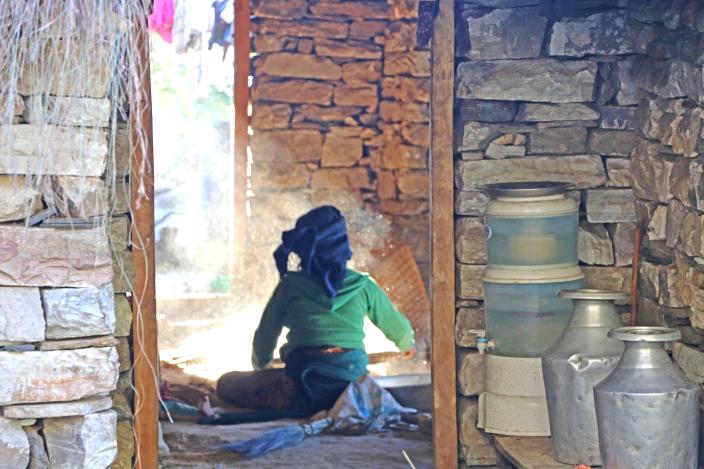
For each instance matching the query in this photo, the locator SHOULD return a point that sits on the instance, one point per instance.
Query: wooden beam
(241, 98)
(146, 362)
(442, 282)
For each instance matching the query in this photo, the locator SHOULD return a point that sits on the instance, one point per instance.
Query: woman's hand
(408, 354)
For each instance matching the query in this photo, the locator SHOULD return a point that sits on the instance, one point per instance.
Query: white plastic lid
(532, 274)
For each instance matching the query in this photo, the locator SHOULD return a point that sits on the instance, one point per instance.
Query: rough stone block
(668, 78)
(74, 344)
(608, 278)
(361, 9)
(48, 63)
(612, 142)
(417, 134)
(86, 406)
(270, 116)
(361, 72)
(293, 91)
(38, 459)
(538, 112)
(86, 442)
(617, 118)
(279, 9)
(506, 34)
(485, 111)
(287, 146)
(611, 206)
(623, 236)
(341, 151)
(628, 93)
(14, 445)
(64, 375)
(395, 155)
(65, 110)
(347, 49)
(470, 240)
(469, 281)
(406, 89)
(79, 312)
(474, 136)
(542, 80)
(123, 316)
(413, 63)
(350, 178)
(18, 199)
(362, 95)
(657, 224)
(497, 152)
(469, 325)
(690, 360)
(54, 257)
(302, 28)
(564, 140)
(291, 65)
(125, 274)
(584, 171)
(365, 29)
(414, 184)
(471, 372)
(597, 34)
(400, 36)
(619, 171)
(650, 172)
(315, 113)
(408, 208)
(21, 315)
(65, 151)
(475, 448)
(125, 445)
(470, 203)
(595, 246)
(685, 229)
(393, 111)
(77, 197)
(403, 9)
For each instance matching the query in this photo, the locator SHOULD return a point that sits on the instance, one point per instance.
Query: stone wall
(65, 314)
(545, 91)
(339, 115)
(668, 173)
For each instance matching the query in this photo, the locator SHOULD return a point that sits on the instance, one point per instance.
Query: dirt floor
(192, 446)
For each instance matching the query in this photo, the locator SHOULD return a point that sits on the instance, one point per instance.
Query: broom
(278, 438)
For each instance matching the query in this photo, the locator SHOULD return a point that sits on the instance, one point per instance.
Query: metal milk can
(582, 357)
(647, 411)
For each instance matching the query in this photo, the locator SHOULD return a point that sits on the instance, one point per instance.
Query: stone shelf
(526, 453)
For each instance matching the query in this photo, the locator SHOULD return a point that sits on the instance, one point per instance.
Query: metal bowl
(645, 334)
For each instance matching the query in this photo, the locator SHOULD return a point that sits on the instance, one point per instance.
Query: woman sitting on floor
(323, 304)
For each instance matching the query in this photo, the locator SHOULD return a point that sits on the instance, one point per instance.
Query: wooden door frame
(442, 277)
(441, 221)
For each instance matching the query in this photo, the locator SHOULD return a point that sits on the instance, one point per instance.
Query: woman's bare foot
(206, 408)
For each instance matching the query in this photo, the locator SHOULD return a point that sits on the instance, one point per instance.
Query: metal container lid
(645, 334)
(593, 294)
(525, 189)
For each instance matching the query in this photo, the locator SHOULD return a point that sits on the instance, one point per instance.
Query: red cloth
(162, 19)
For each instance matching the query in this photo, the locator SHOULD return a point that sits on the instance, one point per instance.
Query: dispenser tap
(484, 344)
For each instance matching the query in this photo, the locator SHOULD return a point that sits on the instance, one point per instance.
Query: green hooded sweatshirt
(313, 318)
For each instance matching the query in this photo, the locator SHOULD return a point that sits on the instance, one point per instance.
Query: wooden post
(146, 361)
(442, 282)
(241, 98)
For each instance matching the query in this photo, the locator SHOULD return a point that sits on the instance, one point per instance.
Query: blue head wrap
(320, 240)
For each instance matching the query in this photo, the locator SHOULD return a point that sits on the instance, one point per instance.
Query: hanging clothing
(162, 19)
(223, 25)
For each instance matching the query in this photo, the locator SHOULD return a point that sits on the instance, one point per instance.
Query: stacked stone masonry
(605, 95)
(340, 105)
(65, 314)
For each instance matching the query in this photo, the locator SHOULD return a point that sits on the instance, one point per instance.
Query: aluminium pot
(580, 359)
(647, 411)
